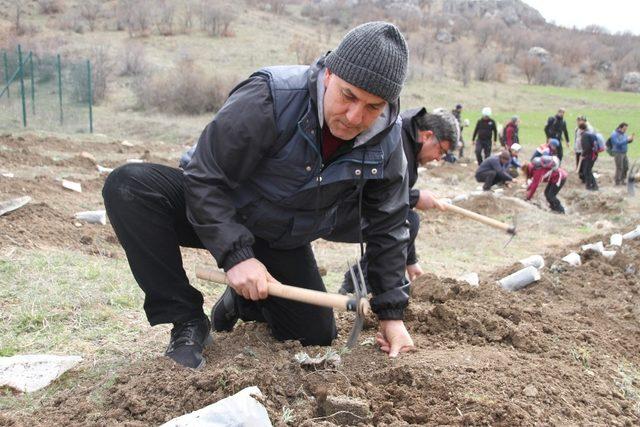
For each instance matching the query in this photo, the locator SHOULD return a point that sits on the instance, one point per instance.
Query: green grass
(533, 104)
(64, 302)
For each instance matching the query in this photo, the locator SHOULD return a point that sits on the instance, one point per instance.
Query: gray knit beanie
(373, 57)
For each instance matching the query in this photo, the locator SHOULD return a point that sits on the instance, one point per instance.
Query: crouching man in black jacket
(265, 179)
(425, 137)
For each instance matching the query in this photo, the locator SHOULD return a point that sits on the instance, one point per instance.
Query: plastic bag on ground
(241, 409)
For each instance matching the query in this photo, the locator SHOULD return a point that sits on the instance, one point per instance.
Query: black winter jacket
(257, 170)
(485, 130)
(556, 127)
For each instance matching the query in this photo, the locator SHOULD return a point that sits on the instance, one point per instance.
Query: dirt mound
(594, 202)
(488, 204)
(38, 225)
(551, 353)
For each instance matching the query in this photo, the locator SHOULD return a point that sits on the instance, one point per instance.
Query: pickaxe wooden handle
(480, 218)
(309, 296)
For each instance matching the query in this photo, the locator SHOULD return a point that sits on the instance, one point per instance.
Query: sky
(614, 15)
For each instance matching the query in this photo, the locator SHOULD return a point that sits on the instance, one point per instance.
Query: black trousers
(146, 207)
(551, 194)
(587, 173)
(482, 147)
(489, 178)
(560, 152)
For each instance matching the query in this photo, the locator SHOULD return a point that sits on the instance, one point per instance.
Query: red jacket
(538, 172)
(510, 134)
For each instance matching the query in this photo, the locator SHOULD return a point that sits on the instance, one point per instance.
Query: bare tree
(530, 66)
(463, 63)
(90, 11)
(17, 17)
(277, 6)
(188, 11)
(163, 14)
(50, 7)
(215, 20)
(306, 51)
(133, 61)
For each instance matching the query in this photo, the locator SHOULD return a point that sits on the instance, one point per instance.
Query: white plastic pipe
(471, 278)
(73, 186)
(573, 259)
(616, 240)
(92, 217)
(102, 169)
(520, 279)
(608, 254)
(632, 234)
(534, 260)
(598, 247)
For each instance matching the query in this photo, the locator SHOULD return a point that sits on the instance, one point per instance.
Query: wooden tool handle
(309, 296)
(481, 218)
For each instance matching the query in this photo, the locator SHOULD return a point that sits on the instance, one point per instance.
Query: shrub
(216, 20)
(306, 51)
(50, 7)
(186, 89)
(554, 75)
(133, 61)
(163, 14)
(90, 11)
(101, 69)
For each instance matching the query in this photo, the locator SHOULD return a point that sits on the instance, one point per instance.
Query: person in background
(549, 148)
(493, 170)
(486, 131)
(589, 143)
(578, 142)
(619, 145)
(511, 132)
(556, 127)
(514, 164)
(546, 169)
(457, 113)
(425, 137)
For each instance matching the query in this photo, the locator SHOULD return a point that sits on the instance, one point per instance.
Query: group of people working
(295, 154)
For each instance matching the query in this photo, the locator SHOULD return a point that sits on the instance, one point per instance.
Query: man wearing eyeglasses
(425, 137)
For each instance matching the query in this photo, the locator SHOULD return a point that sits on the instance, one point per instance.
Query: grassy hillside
(260, 38)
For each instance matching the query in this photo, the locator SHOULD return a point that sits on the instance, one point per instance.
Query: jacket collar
(379, 128)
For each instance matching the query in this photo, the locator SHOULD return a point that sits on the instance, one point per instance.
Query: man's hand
(428, 200)
(414, 271)
(249, 278)
(393, 338)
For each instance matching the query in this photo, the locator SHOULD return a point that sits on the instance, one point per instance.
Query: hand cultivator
(357, 303)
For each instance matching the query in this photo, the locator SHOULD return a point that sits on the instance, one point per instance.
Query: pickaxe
(357, 303)
(510, 229)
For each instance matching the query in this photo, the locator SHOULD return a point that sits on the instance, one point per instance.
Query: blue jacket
(257, 170)
(619, 142)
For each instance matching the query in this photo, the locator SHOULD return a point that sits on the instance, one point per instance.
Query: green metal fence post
(33, 86)
(21, 71)
(59, 87)
(6, 72)
(90, 97)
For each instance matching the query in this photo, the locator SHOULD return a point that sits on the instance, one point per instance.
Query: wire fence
(45, 92)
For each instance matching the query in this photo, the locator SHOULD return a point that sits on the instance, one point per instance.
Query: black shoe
(188, 340)
(225, 312)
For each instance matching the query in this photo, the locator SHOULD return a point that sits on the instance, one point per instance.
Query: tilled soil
(554, 353)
